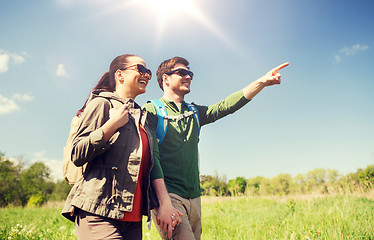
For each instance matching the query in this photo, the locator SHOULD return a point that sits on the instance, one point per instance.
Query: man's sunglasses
(181, 72)
(141, 70)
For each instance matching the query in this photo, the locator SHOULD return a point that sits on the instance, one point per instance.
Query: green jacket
(178, 154)
(109, 182)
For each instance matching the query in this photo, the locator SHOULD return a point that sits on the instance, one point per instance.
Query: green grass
(316, 218)
(323, 217)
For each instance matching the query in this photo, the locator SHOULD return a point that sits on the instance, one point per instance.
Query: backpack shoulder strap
(193, 108)
(162, 123)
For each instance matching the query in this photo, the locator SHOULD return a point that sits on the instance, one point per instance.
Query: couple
(130, 171)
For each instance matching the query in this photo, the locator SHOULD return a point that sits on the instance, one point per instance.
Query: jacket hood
(112, 96)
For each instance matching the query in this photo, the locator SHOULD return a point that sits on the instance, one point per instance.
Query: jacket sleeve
(89, 141)
(229, 105)
(152, 118)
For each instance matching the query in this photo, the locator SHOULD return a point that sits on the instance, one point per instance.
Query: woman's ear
(118, 75)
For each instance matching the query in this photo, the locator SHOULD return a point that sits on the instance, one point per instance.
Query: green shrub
(36, 200)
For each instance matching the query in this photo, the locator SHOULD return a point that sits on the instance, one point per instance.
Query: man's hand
(167, 218)
(273, 76)
(270, 78)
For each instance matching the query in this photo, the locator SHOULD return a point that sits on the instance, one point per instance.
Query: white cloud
(4, 61)
(353, 50)
(61, 72)
(53, 164)
(7, 105)
(350, 51)
(10, 105)
(16, 58)
(26, 97)
(6, 58)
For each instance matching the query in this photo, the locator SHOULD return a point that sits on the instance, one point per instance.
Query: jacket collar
(173, 105)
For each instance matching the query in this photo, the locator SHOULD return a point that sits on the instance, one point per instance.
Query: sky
(53, 52)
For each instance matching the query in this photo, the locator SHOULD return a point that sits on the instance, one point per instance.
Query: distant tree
(253, 185)
(61, 190)
(207, 183)
(349, 183)
(237, 186)
(36, 180)
(266, 188)
(301, 183)
(9, 182)
(282, 184)
(213, 185)
(332, 176)
(317, 176)
(316, 180)
(367, 176)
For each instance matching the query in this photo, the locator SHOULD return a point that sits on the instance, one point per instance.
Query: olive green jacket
(111, 176)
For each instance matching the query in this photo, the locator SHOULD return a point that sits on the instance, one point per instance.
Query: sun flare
(169, 7)
(166, 11)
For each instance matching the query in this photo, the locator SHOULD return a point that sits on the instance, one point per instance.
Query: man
(178, 148)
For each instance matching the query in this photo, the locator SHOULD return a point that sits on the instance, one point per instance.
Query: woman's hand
(168, 217)
(119, 116)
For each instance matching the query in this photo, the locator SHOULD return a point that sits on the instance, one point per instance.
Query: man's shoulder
(149, 107)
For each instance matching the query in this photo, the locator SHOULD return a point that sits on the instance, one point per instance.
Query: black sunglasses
(141, 70)
(181, 72)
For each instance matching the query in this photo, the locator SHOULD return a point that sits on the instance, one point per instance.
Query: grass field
(300, 217)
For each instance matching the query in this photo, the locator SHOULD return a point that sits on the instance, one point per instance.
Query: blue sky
(53, 52)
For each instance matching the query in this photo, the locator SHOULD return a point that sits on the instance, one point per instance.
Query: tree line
(33, 185)
(320, 181)
(28, 186)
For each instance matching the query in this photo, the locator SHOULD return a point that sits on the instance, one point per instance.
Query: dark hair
(167, 66)
(107, 82)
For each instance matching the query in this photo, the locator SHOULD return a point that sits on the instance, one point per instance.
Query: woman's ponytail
(107, 82)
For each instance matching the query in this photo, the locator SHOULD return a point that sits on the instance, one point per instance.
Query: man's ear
(165, 79)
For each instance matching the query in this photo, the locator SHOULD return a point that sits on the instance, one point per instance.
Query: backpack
(72, 173)
(162, 123)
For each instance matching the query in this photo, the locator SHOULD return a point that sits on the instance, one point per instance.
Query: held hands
(167, 218)
(273, 76)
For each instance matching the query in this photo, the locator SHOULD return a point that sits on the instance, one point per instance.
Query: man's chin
(186, 90)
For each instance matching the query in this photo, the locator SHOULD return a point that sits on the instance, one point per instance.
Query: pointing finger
(281, 66)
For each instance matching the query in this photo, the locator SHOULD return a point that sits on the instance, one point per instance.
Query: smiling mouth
(143, 82)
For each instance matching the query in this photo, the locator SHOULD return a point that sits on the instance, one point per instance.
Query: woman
(115, 142)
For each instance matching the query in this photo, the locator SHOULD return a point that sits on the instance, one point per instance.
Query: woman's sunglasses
(141, 70)
(181, 72)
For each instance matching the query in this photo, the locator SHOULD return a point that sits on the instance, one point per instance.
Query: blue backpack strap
(193, 108)
(162, 123)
